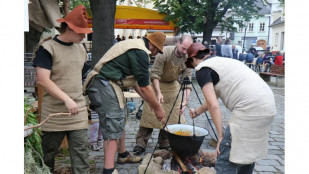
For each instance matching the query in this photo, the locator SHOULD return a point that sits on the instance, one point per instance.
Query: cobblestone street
(272, 164)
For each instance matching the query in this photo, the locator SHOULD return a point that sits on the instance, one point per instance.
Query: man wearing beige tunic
(250, 101)
(59, 63)
(164, 75)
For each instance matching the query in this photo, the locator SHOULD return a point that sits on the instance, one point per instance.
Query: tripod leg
(205, 113)
(183, 86)
(164, 127)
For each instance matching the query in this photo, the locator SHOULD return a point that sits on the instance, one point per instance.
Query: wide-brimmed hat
(158, 39)
(193, 51)
(195, 48)
(77, 20)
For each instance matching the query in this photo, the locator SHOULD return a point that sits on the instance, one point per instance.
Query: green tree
(202, 16)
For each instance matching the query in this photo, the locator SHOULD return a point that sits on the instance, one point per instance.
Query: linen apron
(252, 107)
(169, 87)
(69, 80)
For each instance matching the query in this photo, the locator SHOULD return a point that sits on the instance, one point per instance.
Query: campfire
(166, 162)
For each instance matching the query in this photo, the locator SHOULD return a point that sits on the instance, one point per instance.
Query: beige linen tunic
(167, 68)
(252, 104)
(66, 73)
(112, 53)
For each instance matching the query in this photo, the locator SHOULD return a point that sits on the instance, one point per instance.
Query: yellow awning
(129, 17)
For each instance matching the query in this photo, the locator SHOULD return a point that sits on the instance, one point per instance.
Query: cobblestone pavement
(272, 164)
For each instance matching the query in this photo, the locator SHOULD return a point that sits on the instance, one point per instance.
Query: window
(276, 38)
(250, 26)
(240, 30)
(262, 26)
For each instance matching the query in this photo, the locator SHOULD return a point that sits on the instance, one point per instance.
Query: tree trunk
(103, 15)
(207, 33)
(32, 38)
(66, 7)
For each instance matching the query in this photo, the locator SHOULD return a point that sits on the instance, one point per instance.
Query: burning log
(183, 167)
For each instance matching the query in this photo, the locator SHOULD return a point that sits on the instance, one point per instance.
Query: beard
(178, 53)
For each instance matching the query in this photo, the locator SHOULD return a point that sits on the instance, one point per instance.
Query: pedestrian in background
(245, 139)
(252, 50)
(235, 52)
(268, 61)
(249, 59)
(279, 59)
(59, 63)
(259, 61)
(218, 47)
(226, 49)
(96, 137)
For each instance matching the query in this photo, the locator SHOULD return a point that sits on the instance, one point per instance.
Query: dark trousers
(223, 164)
(77, 139)
(144, 134)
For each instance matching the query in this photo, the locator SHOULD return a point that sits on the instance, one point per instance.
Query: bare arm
(156, 85)
(185, 102)
(44, 80)
(138, 90)
(213, 106)
(150, 97)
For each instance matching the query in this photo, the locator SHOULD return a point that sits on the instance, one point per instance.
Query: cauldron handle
(193, 128)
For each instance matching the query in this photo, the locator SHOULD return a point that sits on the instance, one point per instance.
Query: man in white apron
(164, 74)
(250, 101)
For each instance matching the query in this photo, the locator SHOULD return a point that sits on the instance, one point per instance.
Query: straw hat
(77, 20)
(158, 39)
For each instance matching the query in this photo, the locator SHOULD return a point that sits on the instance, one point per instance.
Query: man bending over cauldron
(164, 75)
(250, 101)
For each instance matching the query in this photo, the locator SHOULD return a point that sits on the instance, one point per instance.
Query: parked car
(259, 50)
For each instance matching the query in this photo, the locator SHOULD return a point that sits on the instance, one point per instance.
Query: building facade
(278, 28)
(256, 32)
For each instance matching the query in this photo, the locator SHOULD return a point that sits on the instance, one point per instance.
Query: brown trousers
(144, 134)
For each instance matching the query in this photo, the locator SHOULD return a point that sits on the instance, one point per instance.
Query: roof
(265, 9)
(277, 22)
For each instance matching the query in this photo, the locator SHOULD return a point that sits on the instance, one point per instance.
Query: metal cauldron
(185, 145)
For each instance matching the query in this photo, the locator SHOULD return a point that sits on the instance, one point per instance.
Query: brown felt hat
(193, 51)
(195, 48)
(158, 39)
(77, 20)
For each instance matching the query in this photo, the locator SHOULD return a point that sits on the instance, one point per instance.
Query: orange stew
(183, 133)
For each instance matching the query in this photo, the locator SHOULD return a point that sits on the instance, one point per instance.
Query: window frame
(251, 27)
(262, 26)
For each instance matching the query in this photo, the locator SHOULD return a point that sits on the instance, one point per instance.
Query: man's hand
(184, 106)
(193, 113)
(160, 114)
(160, 98)
(71, 106)
(218, 145)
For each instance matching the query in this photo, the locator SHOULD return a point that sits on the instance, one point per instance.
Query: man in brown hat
(124, 65)
(59, 63)
(164, 75)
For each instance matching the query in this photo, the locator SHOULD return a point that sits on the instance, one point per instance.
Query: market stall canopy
(129, 17)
